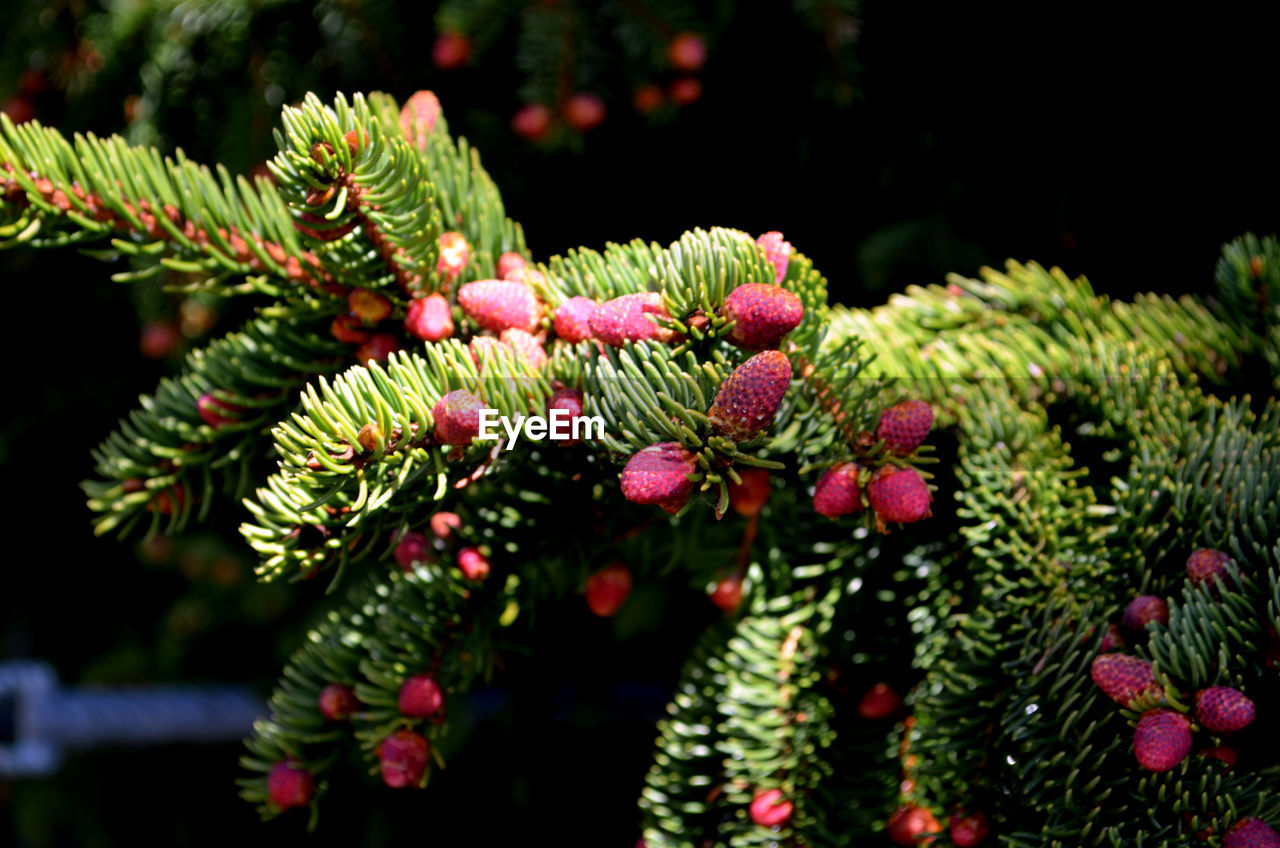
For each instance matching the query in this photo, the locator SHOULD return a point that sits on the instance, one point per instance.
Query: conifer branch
(164, 212)
(464, 194)
(339, 172)
(366, 445)
(1083, 480)
(205, 425)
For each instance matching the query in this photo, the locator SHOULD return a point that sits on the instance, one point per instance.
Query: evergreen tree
(1069, 588)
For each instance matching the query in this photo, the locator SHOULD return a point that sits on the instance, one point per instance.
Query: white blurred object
(48, 720)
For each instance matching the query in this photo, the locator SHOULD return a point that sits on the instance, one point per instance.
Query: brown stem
(390, 254)
(823, 393)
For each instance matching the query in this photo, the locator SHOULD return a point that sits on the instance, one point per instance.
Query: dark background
(1121, 144)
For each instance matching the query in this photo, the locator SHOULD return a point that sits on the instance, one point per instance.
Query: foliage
(1079, 460)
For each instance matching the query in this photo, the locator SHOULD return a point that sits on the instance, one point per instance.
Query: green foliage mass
(1083, 449)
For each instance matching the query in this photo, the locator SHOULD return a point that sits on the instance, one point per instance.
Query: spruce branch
(391, 626)
(747, 719)
(1248, 280)
(340, 172)
(1023, 513)
(940, 338)
(647, 394)
(1081, 463)
(364, 446)
(678, 799)
(166, 212)
(463, 193)
(201, 430)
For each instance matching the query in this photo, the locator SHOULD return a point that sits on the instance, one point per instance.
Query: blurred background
(892, 142)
